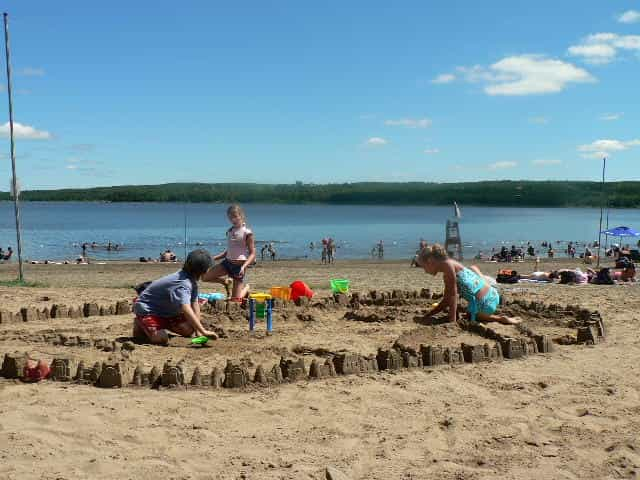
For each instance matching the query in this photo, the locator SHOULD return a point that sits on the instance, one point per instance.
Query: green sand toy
(200, 340)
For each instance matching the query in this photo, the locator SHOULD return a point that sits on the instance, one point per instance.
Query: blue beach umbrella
(622, 232)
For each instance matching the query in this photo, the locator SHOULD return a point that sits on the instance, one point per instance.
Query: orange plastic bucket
(283, 293)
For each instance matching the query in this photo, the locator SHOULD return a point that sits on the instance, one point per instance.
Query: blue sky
(110, 93)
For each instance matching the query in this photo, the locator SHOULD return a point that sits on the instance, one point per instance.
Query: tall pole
(606, 237)
(604, 166)
(185, 231)
(14, 181)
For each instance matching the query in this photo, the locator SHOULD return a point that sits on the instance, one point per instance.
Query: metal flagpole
(185, 232)
(606, 237)
(14, 183)
(604, 165)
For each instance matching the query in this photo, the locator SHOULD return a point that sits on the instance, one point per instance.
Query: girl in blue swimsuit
(483, 299)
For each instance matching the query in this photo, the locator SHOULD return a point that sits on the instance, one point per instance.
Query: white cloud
(545, 162)
(26, 132)
(609, 117)
(597, 53)
(410, 122)
(376, 142)
(478, 73)
(525, 75)
(444, 78)
(432, 151)
(605, 147)
(501, 165)
(529, 74)
(603, 48)
(31, 72)
(630, 16)
(72, 167)
(539, 120)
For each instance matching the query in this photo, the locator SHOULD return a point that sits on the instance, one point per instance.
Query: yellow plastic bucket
(260, 297)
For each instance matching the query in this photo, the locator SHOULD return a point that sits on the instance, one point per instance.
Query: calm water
(54, 230)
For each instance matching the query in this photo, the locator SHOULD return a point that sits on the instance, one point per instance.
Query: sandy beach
(570, 414)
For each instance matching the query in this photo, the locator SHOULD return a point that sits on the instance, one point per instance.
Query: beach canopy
(622, 232)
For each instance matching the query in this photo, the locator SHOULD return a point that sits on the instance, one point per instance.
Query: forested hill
(494, 193)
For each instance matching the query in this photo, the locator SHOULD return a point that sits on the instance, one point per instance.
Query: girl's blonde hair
(236, 209)
(434, 252)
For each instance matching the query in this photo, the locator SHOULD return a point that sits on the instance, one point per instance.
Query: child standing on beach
(171, 303)
(240, 253)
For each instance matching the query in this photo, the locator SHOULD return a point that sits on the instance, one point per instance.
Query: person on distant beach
(240, 253)
(540, 276)
(171, 303)
(272, 252)
(381, 249)
(470, 283)
(422, 245)
(167, 256)
(627, 274)
(325, 253)
(84, 249)
(7, 256)
(331, 250)
(263, 250)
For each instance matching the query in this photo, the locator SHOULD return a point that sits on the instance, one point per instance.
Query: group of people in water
(268, 249)
(328, 250)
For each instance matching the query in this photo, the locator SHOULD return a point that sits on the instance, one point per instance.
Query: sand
(574, 413)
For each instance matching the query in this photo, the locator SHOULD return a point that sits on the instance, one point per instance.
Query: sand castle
(119, 370)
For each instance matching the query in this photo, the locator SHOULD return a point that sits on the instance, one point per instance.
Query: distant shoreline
(507, 193)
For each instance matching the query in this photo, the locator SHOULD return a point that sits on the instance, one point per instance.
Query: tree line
(490, 193)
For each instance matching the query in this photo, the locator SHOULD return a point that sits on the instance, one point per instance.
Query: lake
(55, 230)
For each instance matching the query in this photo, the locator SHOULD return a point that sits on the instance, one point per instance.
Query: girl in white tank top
(240, 253)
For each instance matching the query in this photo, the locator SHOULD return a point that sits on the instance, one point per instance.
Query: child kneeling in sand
(469, 282)
(171, 303)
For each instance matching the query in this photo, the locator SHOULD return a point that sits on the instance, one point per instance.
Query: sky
(113, 93)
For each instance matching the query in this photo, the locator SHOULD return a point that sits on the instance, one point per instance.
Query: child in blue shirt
(171, 303)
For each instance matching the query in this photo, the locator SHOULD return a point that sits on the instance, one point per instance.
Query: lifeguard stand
(453, 243)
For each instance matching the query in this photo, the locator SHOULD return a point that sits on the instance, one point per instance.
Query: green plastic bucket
(339, 285)
(261, 308)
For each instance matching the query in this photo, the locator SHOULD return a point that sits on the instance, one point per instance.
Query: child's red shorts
(150, 324)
